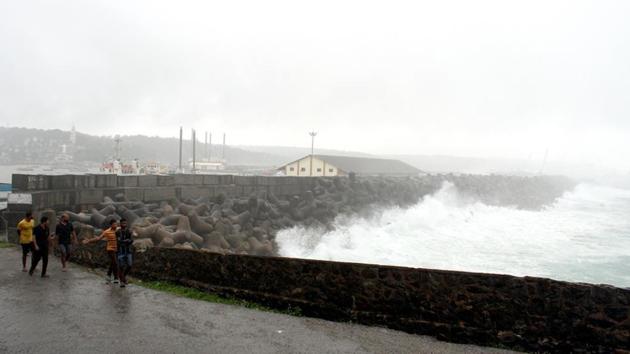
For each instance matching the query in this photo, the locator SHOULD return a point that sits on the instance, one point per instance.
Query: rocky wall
(532, 314)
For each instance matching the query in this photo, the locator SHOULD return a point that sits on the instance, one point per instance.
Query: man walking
(124, 253)
(42, 237)
(110, 236)
(66, 236)
(25, 232)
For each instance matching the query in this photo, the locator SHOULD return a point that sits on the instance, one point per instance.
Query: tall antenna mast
(544, 164)
(205, 147)
(194, 148)
(210, 147)
(223, 153)
(312, 134)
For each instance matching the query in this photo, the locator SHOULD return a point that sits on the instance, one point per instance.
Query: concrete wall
(532, 314)
(84, 191)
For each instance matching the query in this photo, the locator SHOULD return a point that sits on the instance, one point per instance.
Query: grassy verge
(192, 293)
(6, 244)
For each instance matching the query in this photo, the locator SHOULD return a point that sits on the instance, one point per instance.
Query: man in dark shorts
(111, 247)
(25, 232)
(40, 244)
(66, 237)
(124, 252)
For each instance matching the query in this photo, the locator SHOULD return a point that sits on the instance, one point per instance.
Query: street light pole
(312, 134)
(181, 136)
(194, 151)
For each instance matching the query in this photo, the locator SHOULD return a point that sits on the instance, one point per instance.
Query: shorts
(65, 249)
(125, 260)
(26, 248)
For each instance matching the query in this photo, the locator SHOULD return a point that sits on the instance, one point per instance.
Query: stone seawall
(532, 314)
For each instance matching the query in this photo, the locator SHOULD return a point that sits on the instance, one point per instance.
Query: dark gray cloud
(488, 78)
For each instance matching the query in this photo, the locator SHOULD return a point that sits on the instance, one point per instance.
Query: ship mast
(117, 148)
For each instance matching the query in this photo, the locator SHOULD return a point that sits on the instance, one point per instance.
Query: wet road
(76, 312)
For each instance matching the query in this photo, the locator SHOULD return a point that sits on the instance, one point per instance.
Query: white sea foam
(584, 236)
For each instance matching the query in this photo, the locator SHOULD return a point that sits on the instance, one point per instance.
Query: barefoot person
(42, 237)
(124, 252)
(110, 236)
(66, 236)
(25, 232)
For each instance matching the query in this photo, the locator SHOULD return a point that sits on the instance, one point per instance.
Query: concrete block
(40, 199)
(89, 196)
(245, 180)
(226, 179)
(12, 236)
(228, 190)
(106, 181)
(23, 183)
(112, 192)
(13, 217)
(62, 182)
(19, 182)
(47, 199)
(128, 181)
(84, 181)
(193, 192)
(184, 180)
(165, 181)
(159, 194)
(64, 199)
(246, 191)
(265, 180)
(42, 182)
(134, 194)
(306, 182)
(275, 190)
(286, 190)
(211, 179)
(148, 181)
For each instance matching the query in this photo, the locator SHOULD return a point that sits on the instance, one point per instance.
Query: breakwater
(243, 214)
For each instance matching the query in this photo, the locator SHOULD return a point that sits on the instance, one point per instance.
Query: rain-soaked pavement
(76, 312)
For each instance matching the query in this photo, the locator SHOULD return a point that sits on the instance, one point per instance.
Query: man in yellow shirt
(25, 230)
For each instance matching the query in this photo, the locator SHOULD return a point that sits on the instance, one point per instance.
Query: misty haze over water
(489, 86)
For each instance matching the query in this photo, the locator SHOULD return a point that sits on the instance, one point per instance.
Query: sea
(583, 237)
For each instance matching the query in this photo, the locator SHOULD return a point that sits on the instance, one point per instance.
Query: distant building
(119, 168)
(327, 165)
(154, 168)
(207, 166)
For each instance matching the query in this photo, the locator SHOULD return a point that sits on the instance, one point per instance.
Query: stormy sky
(468, 78)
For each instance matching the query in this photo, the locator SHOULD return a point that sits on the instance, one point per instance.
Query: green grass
(6, 244)
(192, 293)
